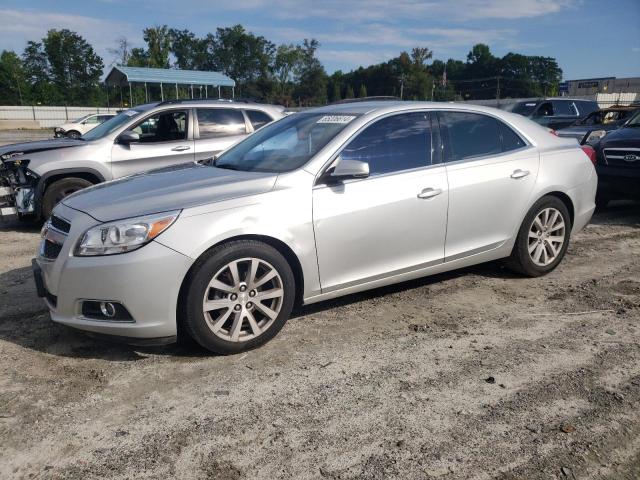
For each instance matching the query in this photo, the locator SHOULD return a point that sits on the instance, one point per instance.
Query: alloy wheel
(243, 299)
(546, 236)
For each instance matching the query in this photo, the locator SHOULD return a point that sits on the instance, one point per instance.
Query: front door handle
(181, 148)
(519, 174)
(429, 193)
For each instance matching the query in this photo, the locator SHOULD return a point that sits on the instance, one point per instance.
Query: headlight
(595, 136)
(123, 235)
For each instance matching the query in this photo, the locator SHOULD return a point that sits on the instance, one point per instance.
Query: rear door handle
(429, 193)
(181, 148)
(519, 174)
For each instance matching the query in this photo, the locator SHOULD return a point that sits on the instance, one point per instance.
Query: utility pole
(401, 86)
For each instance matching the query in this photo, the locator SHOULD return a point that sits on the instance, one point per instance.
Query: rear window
(258, 118)
(469, 135)
(220, 122)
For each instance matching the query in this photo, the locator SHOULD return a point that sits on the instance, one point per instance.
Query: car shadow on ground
(25, 321)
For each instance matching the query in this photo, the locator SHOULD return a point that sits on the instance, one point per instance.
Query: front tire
(73, 134)
(543, 238)
(238, 296)
(60, 189)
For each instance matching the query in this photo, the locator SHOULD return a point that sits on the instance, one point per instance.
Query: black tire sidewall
(201, 275)
(50, 193)
(72, 134)
(522, 258)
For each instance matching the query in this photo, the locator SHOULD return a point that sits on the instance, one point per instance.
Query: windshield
(111, 125)
(286, 144)
(81, 119)
(524, 108)
(634, 121)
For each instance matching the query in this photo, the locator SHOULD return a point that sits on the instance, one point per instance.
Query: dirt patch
(470, 374)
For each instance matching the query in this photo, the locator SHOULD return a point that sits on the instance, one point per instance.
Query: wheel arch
(285, 250)
(564, 198)
(48, 178)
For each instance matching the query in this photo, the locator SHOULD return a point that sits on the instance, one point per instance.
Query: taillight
(553, 132)
(590, 152)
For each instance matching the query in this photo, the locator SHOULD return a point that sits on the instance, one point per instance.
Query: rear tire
(543, 238)
(238, 296)
(60, 189)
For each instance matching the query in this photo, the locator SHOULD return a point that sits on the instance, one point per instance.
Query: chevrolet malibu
(317, 205)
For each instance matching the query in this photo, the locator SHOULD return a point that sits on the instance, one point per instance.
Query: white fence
(48, 117)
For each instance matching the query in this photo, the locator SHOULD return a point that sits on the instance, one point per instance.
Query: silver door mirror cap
(350, 169)
(128, 136)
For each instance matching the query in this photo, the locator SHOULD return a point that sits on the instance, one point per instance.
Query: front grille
(51, 250)
(60, 224)
(627, 157)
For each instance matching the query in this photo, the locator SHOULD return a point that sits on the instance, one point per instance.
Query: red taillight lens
(591, 153)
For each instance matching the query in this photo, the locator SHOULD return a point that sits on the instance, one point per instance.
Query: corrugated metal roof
(120, 75)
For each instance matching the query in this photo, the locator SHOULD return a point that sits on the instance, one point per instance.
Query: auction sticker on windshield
(336, 119)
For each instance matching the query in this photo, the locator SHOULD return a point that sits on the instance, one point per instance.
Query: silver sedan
(319, 204)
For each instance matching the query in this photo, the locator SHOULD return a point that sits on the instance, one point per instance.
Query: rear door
(165, 139)
(491, 172)
(217, 129)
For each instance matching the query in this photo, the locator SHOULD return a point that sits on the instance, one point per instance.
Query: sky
(589, 38)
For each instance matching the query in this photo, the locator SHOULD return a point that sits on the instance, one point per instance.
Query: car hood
(627, 135)
(171, 188)
(39, 146)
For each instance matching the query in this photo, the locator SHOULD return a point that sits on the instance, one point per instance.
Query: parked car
(319, 204)
(82, 125)
(597, 124)
(555, 113)
(618, 163)
(35, 176)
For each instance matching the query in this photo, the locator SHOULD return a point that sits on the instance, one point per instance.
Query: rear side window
(510, 139)
(393, 144)
(220, 122)
(258, 118)
(562, 107)
(468, 135)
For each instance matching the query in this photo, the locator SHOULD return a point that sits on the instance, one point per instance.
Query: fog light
(108, 309)
(105, 310)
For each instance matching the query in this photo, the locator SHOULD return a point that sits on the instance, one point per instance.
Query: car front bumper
(146, 282)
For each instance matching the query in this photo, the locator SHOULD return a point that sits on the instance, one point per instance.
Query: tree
(312, 79)
(63, 68)
(287, 61)
(244, 57)
(190, 52)
(13, 87)
(122, 52)
(362, 93)
(349, 93)
(158, 42)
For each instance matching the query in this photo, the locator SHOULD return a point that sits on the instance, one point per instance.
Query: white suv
(76, 128)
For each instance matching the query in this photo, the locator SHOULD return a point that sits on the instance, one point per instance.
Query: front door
(491, 173)
(392, 222)
(165, 140)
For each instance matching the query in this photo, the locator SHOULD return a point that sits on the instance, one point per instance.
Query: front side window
(113, 124)
(163, 127)
(258, 118)
(561, 107)
(285, 145)
(545, 110)
(396, 143)
(469, 135)
(220, 122)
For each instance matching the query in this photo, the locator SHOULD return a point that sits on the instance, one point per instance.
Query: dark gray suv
(554, 112)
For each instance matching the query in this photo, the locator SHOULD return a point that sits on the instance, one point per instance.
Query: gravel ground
(472, 374)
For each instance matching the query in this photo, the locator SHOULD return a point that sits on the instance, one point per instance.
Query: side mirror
(128, 136)
(346, 169)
